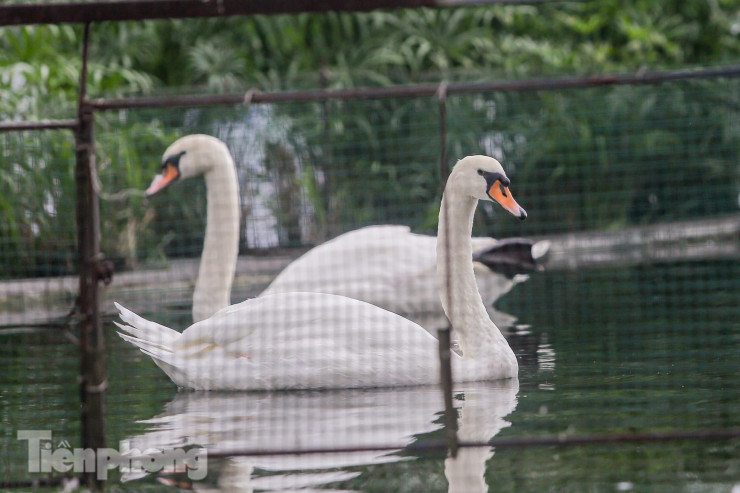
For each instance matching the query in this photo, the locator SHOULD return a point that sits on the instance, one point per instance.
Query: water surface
(638, 349)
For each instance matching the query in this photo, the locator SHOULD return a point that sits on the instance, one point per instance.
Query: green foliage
(607, 157)
(584, 159)
(40, 72)
(37, 228)
(129, 156)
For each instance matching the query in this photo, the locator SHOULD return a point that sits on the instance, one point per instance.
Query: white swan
(318, 340)
(195, 155)
(387, 266)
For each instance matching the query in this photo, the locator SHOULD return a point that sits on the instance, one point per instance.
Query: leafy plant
(586, 159)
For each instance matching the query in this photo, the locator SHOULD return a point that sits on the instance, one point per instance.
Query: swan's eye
(173, 160)
(480, 172)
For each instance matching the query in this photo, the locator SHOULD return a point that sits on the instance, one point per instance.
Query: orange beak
(502, 195)
(169, 174)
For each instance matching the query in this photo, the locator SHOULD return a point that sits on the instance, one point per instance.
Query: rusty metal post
(326, 228)
(92, 348)
(444, 169)
(445, 364)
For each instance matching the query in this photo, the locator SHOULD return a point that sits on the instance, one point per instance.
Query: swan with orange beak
(498, 190)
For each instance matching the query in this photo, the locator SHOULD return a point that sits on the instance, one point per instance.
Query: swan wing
(297, 319)
(376, 264)
(144, 329)
(377, 257)
(303, 340)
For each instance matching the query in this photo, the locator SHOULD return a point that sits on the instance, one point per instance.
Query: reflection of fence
(92, 268)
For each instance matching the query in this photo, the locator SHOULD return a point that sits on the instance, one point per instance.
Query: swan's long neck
(455, 277)
(221, 245)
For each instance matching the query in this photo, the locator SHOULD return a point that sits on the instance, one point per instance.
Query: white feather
(318, 340)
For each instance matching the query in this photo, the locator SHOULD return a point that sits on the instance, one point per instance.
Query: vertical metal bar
(329, 224)
(82, 93)
(445, 365)
(326, 229)
(444, 169)
(92, 348)
(443, 335)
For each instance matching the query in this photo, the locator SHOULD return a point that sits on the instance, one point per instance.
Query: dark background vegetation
(600, 158)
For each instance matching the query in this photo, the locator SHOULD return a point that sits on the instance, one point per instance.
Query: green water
(648, 348)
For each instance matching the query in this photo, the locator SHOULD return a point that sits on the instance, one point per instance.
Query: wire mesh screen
(617, 295)
(38, 234)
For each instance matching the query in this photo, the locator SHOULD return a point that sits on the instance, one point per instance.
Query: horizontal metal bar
(305, 96)
(43, 482)
(638, 78)
(654, 436)
(420, 90)
(42, 125)
(132, 10)
(502, 443)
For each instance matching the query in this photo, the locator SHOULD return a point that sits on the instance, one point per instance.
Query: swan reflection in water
(393, 418)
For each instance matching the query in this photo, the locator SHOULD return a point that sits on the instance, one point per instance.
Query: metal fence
(632, 179)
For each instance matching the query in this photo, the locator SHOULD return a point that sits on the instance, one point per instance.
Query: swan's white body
(291, 341)
(318, 340)
(387, 266)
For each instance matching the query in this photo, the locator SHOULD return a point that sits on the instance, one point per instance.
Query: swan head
(483, 178)
(187, 157)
